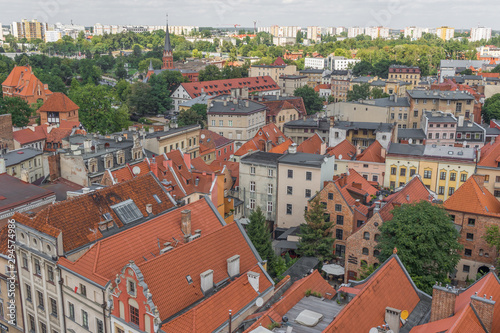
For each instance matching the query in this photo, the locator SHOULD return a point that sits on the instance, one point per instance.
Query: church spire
(168, 47)
(150, 65)
(168, 58)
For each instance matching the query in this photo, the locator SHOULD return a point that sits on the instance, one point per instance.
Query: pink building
(440, 127)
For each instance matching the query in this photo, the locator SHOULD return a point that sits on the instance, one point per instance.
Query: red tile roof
(207, 252)
(282, 147)
(222, 87)
(58, 102)
(107, 257)
(372, 154)
(233, 167)
(490, 155)
(472, 198)
(388, 286)
(57, 134)
(279, 62)
(76, 218)
(322, 86)
(24, 82)
(344, 149)
(414, 191)
(209, 141)
(313, 145)
(27, 135)
(292, 296)
(268, 133)
(275, 106)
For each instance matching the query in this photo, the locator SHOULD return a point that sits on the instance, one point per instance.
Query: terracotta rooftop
(24, 82)
(28, 135)
(322, 86)
(279, 62)
(344, 149)
(372, 154)
(268, 133)
(223, 87)
(207, 252)
(490, 155)
(58, 102)
(77, 217)
(472, 197)
(107, 257)
(209, 141)
(313, 145)
(390, 285)
(275, 106)
(292, 296)
(282, 147)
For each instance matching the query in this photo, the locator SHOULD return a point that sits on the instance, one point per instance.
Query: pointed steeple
(150, 65)
(168, 47)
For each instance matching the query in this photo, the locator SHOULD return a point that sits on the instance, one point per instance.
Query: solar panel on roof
(127, 211)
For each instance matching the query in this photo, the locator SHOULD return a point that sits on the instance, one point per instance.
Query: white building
(282, 41)
(476, 34)
(1, 32)
(355, 31)
(52, 36)
(376, 32)
(314, 34)
(445, 33)
(315, 63)
(415, 33)
(340, 63)
(339, 30)
(100, 29)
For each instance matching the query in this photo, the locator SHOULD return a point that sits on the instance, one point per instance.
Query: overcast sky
(391, 13)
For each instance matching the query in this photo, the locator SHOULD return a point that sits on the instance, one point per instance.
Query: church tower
(168, 58)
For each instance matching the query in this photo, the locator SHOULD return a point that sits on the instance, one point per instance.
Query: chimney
(224, 102)
(383, 152)
(332, 121)
(377, 207)
(358, 150)
(86, 145)
(443, 302)
(392, 318)
(395, 134)
(395, 98)
(207, 281)
(247, 103)
(149, 209)
(292, 149)
(25, 176)
(186, 222)
(484, 308)
(187, 160)
(166, 128)
(244, 92)
(233, 266)
(479, 180)
(235, 101)
(253, 278)
(461, 121)
(196, 181)
(154, 167)
(2, 165)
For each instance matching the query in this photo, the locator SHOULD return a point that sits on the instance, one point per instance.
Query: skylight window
(127, 211)
(107, 216)
(189, 279)
(156, 198)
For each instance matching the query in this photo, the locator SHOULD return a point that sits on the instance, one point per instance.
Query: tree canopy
(491, 108)
(18, 108)
(312, 101)
(493, 239)
(426, 241)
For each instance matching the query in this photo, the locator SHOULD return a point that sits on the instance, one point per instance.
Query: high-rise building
(30, 30)
(1, 33)
(314, 34)
(476, 34)
(445, 33)
(415, 33)
(355, 31)
(376, 32)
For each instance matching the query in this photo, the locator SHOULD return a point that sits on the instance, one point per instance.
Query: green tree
(189, 117)
(140, 99)
(299, 38)
(491, 108)
(316, 238)
(366, 271)
(496, 69)
(493, 239)
(120, 72)
(362, 68)
(144, 64)
(467, 71)
(426, 241)
(89, 72)
(259, 234)
(200, 109)
(122, 90)
(312, 101)
(211, 72)
(18, 108)
(359, 91)
(378, 93)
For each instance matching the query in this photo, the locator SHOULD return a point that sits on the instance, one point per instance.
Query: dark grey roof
(301, 268)
(17, 156)
(463, 63)
(261, 158)
(472, 77)
(470, 126)
(406, 149)
(167, 46)
(378, 83)
(440, 117)
(321, 124)
(303, 159)
(438, 94)
(171, 131)
(493, 79)
(411, 133)
(362, 79)
(312, 71)
(293, 77)
(339, 72)
(392, 102)
(449, 152)
(492, 131)
(239, 108)
(357, 125)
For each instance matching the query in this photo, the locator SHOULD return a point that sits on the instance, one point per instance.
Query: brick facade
(443, 302)
(6, 136)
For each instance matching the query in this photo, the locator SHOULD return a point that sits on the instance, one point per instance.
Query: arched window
(376, 253)
(366, 235)
(365, 251)
(377, 237)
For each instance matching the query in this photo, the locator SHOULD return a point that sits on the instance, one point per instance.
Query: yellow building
(185, 138)
(445, 33)
(30, 30)
(442, 169)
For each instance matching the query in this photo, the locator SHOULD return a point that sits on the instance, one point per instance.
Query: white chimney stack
(233, 266)
(2, 165)
(253, 278)
(207, 280)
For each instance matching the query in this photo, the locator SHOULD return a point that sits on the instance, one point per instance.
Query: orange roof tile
(387, 286)
(282, 147)
(279, 62)
(372, 154)
(207, 252)
(292, 296)
(209, 141)
(102, 261)
(322, 86)
(489, 155)
(268, 133)
(312, 145)
(275, 106)
(221, 87)
(57, 134)
(76, 218)
(58, 102)
(24, 82)
(28, 135)
(343, 151)
(472, 198)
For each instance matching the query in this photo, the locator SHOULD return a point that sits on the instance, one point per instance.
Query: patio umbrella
(333, 269)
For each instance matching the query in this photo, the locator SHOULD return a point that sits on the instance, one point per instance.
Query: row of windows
(453, 176)
(269, 208)
(37, 268)
(85, 318)
(444, 136)
(308, 174)
(41, 300)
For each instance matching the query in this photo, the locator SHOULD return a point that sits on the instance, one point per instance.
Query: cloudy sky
(390, 13)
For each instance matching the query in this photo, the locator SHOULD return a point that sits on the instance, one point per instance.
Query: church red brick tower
(168, 58)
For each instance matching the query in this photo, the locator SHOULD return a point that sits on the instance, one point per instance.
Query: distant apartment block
(415, 33)
(315, 63)
(478, 33)
(336, 63)
(377, 32)
(445, 33)
(355, 31)
(30, 30)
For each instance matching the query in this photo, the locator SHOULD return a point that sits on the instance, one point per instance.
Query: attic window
(156, 198)
(189, 279)
(107, 216)
(127, 211)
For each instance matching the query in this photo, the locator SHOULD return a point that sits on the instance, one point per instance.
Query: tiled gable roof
(269, 132)
(472, 198)
(209, 141)
(223, 87)
(322, 86)
(24, 82)
(372, 154)
(354, 182)
(344, 149)
(57, 134)
(490, 155)
(275, 106)
(389, 286)
(58, 102)
(312, 145)
(207, 252)
(76, 218)
(282, 147)
(107, 257)
(28, 135)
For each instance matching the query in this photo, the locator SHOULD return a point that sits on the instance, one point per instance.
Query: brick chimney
(443, 302)
(186, 222)
(187, 160)
(154, 167)
(484, 308)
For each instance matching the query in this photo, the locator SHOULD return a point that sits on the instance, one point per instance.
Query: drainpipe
(62, 298)
(104, 311)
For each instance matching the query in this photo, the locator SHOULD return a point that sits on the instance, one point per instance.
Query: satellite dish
(136, 170)
(404, 314)
(340, 156)
(410, 141)
(120, 139)
(464, 144)
(202, 136)
(373, 330)
(259, 302)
